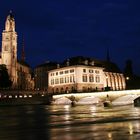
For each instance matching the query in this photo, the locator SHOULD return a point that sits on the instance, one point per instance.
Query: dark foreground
(42, 122)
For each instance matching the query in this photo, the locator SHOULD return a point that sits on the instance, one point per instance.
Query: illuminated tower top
(10, 22)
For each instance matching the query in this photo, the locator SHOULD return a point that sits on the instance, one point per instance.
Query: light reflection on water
(85, 122)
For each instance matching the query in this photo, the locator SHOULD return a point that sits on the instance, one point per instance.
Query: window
(70, 79)
(97, 71)
(6, 37)
(52, 81)
(61, 80)
(66, 79)
(84, 70)
(6, 48)
(90, 71)
(61, 72)
(97, 79)
(84, 78)
(91, 78)
(56, 81)
(56, 73)
(72, 70)
(52, 74)
(66, 71)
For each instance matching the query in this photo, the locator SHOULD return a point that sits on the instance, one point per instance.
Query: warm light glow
(130, 128)
(10, 96)
(110, 136)
(25, 96)
(67, 107)
(127, 78)
(20, 96)
(30, 96)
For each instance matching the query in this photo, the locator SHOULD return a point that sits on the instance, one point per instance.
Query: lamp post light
(128, 82)
(127, 78)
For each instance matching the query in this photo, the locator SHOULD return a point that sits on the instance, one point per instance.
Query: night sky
(55, 30)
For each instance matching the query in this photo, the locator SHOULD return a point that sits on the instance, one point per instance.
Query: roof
(46, 64)
(23, 63)
(80, 60)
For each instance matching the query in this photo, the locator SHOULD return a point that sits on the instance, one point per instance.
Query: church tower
(9, 48)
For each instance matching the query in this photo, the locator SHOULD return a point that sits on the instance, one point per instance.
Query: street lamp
(127, 78)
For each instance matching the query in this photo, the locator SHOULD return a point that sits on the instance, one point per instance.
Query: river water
(63, 122)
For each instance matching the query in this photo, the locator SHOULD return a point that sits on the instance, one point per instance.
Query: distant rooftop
(80, 60)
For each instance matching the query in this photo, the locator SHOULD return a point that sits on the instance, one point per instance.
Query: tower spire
(10, 22)
(23, 51)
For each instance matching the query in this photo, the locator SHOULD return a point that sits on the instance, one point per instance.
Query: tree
(5, 81)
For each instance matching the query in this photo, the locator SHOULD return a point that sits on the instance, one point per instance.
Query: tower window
(6, 48)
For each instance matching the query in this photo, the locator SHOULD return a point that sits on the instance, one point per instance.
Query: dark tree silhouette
(128, 71)
(132, 80)
(5, 81)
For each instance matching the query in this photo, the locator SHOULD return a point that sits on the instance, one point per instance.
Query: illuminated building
(19, 71)
(81, 74)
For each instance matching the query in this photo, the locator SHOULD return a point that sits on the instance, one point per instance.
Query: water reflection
(69, 123)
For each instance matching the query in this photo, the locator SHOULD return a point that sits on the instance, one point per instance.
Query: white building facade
(81, 78)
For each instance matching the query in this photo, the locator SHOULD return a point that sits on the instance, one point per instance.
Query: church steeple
(9, 48)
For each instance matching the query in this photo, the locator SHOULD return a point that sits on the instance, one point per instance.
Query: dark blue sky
(57, 29)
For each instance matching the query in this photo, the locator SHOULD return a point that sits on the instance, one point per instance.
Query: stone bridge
(116, 97)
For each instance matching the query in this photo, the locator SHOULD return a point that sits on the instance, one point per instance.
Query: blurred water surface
(63, 122)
